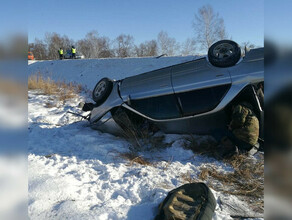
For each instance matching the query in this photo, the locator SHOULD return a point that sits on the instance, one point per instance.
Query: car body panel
(146, 85)
(112, 101)
(251, 69)
(198, 74)
(107, 124)
(190, 124)
(203, 124)
(230, 95)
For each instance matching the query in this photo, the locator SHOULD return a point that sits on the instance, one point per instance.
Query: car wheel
(224, 53)
(102, 90)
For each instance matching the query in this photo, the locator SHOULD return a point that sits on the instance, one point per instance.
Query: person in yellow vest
(61, 53)
(73, 51)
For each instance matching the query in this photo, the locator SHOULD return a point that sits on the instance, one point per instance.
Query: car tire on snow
(224, 53)
(102, 90)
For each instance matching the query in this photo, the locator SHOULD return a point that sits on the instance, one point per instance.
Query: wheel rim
(223, 50)
(100, 88)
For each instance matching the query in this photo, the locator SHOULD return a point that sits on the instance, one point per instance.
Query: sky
(244, 19)
(278, 21)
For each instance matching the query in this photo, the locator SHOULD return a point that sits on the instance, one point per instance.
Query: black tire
(224, 53)
(102, 91)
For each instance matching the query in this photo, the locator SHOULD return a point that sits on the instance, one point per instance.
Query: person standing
(73, 51)
(61, 53)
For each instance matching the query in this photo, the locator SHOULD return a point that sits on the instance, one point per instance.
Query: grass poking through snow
(48, 86)
(246, 181)
(205, 146)
(135, 158)
(139, 133)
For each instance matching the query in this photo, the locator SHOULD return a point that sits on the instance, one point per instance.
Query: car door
(199, 87)
(151, 94)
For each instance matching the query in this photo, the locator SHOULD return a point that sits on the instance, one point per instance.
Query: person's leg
(218, 134)
(225, 147)
(242, 145)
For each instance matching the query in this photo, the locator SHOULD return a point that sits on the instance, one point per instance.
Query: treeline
(208, 26)
(95, 46)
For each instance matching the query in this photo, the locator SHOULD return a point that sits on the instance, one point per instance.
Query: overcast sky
(244, 20)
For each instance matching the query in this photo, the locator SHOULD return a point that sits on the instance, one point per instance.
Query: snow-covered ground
(75, 172)
(88, 71)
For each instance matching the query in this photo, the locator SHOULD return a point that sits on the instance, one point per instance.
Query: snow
(75, 172)
(89, 71)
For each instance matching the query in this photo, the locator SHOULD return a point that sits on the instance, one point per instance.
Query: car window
(202, 100)
(162, 107)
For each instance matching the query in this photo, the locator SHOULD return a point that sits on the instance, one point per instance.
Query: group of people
(73, 53)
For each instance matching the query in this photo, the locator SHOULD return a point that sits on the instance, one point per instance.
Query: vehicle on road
(30, 56)
(191, 97)
(68, 55)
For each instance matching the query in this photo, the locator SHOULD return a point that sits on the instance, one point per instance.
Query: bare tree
(104, 48)
(148, 48)
(140, 50)
(152, 48)
(188, 47)
(221, 30)
(247, 45)
(66, 42)
(84, 47)
(209, 27)
(54, 42)
(93, 46)
(91, 42)
(124, 45)
(39, 49)
(166, 44)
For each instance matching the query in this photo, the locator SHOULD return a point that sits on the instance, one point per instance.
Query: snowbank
(76, 172)
(89, 71)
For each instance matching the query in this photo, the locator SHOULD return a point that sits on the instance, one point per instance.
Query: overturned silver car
(191, 97)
